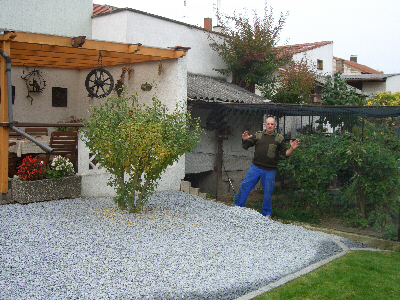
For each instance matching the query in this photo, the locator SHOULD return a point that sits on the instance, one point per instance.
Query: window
(59, 97)
(320, 64)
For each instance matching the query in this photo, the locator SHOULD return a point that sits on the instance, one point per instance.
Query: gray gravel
(181, 247)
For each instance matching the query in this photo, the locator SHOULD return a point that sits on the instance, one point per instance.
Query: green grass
(357, 275)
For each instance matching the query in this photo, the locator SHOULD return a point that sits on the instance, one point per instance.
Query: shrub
(139, 141)
(371, 167)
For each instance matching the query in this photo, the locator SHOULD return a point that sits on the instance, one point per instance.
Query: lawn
(357, 275)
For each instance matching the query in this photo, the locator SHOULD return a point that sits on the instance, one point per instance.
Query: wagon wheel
(99, 83)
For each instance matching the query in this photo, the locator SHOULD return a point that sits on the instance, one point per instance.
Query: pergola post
(4, 118)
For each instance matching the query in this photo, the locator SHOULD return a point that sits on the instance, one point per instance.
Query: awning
(40, 50)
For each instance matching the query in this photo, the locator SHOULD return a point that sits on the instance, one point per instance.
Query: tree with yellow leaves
(140, 141)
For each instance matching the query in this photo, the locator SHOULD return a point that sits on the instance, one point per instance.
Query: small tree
(139, 141)
(296, 82)
(336, 91)
(249, 48)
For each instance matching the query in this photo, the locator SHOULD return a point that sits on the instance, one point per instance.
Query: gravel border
(180, 247)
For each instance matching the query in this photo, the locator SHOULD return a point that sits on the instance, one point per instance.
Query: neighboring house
(351, 67)
(374, 83)
(319, 55)
(364, 78)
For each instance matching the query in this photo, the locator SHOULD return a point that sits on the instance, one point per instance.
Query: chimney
(340, 65)
(353, 58)
(208, 23)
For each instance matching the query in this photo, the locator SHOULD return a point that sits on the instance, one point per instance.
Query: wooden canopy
(40, 50)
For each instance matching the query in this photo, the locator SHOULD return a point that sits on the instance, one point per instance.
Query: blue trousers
(253, 175)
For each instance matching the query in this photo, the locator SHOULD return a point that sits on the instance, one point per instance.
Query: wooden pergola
(40, 50)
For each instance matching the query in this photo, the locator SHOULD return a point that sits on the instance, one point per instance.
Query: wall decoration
(35, 82)
(146, 87)
(99, 82)
(119, 87)
(160, 68)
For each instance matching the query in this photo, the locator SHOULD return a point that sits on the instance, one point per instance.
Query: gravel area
(180, 247)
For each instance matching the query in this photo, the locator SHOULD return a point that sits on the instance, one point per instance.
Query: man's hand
(246, 136)
(294, 144)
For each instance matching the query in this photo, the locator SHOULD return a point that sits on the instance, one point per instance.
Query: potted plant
(36, 183)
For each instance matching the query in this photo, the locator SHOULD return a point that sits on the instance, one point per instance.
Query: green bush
(371, 190)
(139, 141)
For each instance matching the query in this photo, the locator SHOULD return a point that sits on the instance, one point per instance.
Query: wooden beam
(4, 118)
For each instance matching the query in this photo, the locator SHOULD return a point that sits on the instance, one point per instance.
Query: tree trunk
(237, 80)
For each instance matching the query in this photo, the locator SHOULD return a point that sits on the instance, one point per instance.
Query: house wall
(40, 109)
(132, 27)
(56, 17)
(170, 88)
(324, 53)
(393, 84)
(373, 87)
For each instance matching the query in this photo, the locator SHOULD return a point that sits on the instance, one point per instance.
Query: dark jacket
(268, 149)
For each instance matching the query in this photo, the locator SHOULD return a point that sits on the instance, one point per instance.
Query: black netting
(218, 161)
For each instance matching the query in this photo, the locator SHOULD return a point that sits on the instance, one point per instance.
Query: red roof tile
(298, 48)
(101, 9)
(363, 69)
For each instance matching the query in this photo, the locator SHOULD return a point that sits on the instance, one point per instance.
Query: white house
(64, 66)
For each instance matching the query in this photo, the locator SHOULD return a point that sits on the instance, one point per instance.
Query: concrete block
(203, 195)
(185, 186)
(194, 191)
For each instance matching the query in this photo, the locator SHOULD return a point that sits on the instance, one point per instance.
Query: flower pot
(45, 189)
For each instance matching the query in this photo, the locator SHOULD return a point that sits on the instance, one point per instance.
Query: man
(269, 146)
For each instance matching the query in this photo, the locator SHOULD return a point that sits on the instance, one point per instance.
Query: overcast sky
(369, 29)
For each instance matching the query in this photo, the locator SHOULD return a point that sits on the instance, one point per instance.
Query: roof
(362, 68)
(298, 48)
(368, 77)
(40, 50)
(208, 89)
(107, 9)
(101, 9)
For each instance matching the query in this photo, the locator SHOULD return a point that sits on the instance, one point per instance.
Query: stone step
(187, 188)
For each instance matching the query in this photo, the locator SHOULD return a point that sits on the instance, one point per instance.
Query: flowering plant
(72, 120)
(60, 167)
(31, 168)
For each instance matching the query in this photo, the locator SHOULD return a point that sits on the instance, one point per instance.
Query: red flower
(31, 169)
